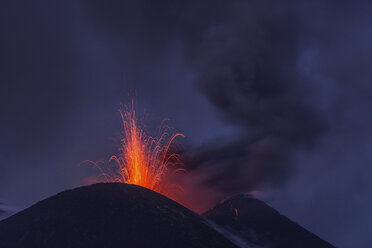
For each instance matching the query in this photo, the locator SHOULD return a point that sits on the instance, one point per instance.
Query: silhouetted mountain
(262, 225)
(108, 215)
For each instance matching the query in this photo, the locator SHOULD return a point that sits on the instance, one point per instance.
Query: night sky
(274, 97)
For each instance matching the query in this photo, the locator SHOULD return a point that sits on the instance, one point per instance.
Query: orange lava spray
(144, 160)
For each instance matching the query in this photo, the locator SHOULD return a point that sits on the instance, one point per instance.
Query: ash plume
(248, 67)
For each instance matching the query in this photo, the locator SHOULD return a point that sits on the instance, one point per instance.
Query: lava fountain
(143, 160)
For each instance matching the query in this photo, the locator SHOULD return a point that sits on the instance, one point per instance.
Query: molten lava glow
(236, 212)
(143, 160)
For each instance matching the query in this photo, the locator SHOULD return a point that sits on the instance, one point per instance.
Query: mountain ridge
(261, 224)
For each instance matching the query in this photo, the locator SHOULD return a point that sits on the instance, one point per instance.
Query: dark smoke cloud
(248, 68)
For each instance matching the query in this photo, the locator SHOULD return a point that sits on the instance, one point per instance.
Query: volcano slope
(108, 215)
(260, 224)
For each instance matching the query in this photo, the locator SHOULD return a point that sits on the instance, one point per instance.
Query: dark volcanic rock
(262, 225)
(108, 215)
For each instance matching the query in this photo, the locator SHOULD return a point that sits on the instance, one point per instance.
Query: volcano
(260, 224)
(124, 215)
(108, 215)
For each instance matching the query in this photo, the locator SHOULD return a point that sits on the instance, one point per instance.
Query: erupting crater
(142, 159)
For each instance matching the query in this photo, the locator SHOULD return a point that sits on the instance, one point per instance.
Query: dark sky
(276, 96)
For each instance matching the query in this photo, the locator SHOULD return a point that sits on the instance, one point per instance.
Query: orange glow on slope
(236, 212)
(144, 160)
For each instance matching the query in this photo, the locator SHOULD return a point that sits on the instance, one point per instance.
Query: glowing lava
(143, 160)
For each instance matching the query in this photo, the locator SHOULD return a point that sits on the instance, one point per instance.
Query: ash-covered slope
(262, 225)
(108, 215)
